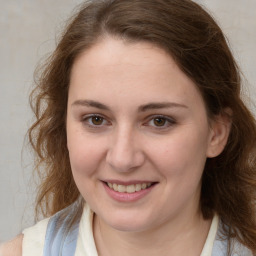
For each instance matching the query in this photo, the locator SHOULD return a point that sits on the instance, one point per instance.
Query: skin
(127, 144)
(12, 248)
(163, 144)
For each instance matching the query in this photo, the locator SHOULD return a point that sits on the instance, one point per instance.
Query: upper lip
(127, 183)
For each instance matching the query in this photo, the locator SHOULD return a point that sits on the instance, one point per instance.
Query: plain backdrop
(28, 30)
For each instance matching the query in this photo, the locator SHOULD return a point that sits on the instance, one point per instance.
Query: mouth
(131, 188)
(126, 192)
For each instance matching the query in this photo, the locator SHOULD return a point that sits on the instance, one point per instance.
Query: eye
(161, 122)
(94, 120)
(97, 120)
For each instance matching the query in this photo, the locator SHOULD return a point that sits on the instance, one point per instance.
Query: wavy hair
(196, 43)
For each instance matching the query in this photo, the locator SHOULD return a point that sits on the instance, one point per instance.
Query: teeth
(115, 187)
(143, 186)
(138, 187)
(121, 188)
(130, 188)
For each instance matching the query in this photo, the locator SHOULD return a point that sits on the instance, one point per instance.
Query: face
(138, 135)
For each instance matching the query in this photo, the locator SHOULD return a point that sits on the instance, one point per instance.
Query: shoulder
(34, 238)
(12, 248)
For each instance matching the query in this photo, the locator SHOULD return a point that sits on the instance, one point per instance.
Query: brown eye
(159, 121)
(97, 120)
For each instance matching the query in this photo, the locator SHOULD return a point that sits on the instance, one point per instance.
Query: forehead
(124, 52)
(114, 67)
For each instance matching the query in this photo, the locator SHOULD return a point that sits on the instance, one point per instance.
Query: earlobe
(220, 130)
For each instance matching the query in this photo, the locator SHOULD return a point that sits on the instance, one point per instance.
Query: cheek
(180, 161)
(85, 153)
(85, 157)
(181, 155)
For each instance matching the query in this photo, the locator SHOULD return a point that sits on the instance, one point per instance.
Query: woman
(144, 144)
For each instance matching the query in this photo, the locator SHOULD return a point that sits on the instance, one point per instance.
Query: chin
(128, 227)
(127, 223)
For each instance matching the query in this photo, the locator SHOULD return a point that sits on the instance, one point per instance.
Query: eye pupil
(96, 120)
(159, 121)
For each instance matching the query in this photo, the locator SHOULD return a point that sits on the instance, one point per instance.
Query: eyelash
(168, 122)
(87, 120)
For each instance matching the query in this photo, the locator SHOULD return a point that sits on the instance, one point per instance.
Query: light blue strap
(220, 246)
(61, 236)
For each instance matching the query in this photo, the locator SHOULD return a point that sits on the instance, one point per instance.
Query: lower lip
(127, 197)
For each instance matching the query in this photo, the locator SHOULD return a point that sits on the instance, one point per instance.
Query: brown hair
(191, 36)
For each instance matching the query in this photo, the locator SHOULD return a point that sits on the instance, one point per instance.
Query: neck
(175, 237)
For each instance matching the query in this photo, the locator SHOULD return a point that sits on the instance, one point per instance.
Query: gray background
(28, 30)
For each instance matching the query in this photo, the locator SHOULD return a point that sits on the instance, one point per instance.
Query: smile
(130, 188)
(128, 192)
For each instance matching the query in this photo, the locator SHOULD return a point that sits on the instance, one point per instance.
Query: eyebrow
(160, 105)
(142, 108)
(90, 103)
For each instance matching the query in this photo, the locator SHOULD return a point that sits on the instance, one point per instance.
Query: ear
(220, 129)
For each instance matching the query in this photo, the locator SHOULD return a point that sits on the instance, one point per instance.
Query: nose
(125, 153)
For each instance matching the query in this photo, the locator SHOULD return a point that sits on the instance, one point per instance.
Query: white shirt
(33, 241)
